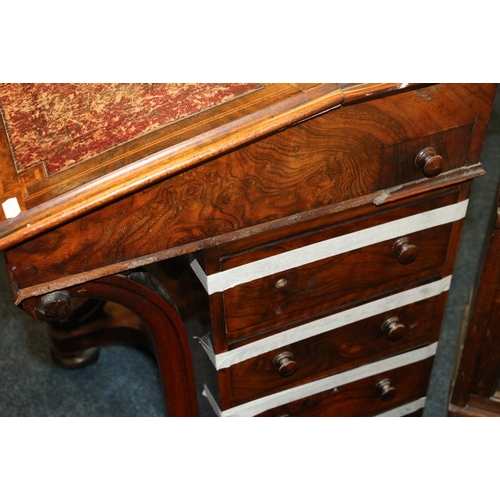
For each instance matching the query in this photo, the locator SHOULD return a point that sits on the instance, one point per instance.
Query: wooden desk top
(51, 195)
(268, 159)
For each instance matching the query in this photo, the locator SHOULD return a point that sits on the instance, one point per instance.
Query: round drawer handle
(430, 162)
(385, 389)
(281, 283)
(393, 328)
(405, 251)
(285, 363)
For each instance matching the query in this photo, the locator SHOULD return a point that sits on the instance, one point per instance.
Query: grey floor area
(125, 381)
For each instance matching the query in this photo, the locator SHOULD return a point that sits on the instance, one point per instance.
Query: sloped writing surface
(60, 125)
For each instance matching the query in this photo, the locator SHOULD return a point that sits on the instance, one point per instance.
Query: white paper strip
(224, 280)
(206, 392)
(200, 274)
(400, 411)
(11, 208)
(261, 405)
(406, 409)
(226, 359)
(207, 347)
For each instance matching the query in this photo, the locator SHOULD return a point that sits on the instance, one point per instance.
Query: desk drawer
(307, 290)
(336, 156)
(305, 275)
(284, 280)
(364, 398)
(362, 342)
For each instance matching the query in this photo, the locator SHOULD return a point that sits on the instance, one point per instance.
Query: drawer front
(288, 296)
(285, 296)
(425, 156)
(362, 342)
(279, 241)
(368, 397)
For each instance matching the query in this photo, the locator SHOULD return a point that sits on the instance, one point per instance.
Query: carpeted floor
(125, 381)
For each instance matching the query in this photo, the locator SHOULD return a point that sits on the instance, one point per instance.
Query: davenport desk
(304, 233)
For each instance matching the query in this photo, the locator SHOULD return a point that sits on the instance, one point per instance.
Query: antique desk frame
(48, 244)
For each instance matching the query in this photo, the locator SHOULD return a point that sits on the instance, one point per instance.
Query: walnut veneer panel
(332, 158)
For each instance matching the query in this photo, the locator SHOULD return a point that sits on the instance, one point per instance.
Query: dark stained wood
(378, 199)
(263, 307)
(477, 406)
(471, 411)
(338, 223)
(478, 374)
(336, 351)
(362, 398)
(143, 295)
(280, 168)
(246, 313)
(338, 280)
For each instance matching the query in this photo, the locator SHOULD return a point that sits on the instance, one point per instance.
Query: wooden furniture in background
(476, 391)
(309, 231)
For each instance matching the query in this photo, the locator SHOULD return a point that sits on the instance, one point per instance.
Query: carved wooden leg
(93, 323)
(140, 293)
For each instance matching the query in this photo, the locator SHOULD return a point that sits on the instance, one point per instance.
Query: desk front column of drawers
(323, 221)
(339, 312)
(355, 301)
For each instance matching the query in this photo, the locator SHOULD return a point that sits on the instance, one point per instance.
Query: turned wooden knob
(281, 283)
(285, 363)
(393, 328)
(430, 162)
(405, 251)
(55, 305)
(385, 389)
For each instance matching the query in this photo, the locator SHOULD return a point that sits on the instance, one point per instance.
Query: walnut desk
(309, 231)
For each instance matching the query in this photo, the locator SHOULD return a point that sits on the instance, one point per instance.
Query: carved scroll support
(80, 325)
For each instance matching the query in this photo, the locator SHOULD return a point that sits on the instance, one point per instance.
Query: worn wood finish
(331, 159)
(265, 318)
(472, 411)
(138, 174)
(258, 309)
(477, 406)
(337, 281)
(279, 167)
(36, 188)
(265, 307)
